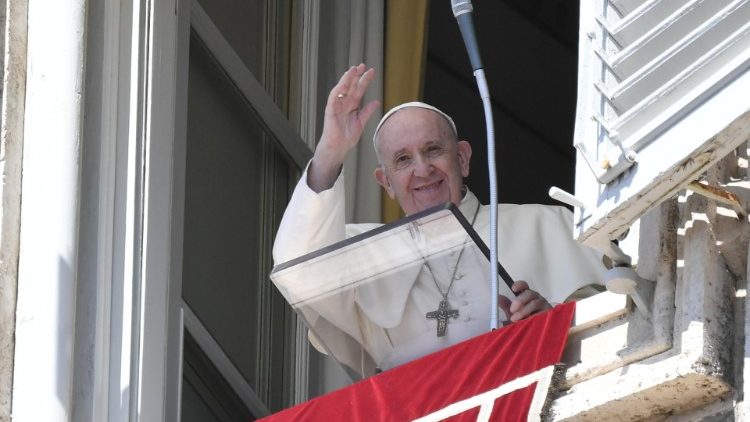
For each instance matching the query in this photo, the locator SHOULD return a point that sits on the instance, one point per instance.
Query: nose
(422, 166)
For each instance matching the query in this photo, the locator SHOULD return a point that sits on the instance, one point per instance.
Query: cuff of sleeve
(323, 196)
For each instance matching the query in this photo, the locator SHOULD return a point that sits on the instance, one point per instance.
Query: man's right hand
(526, 303)
(344, 122)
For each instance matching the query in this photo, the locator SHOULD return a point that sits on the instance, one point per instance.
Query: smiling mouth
(429, 188)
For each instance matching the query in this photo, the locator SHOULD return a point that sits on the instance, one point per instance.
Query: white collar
(469, 205)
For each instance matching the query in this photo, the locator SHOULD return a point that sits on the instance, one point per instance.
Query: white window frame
(139, 104)
(159, 368)
(134, 374)
(140, 311)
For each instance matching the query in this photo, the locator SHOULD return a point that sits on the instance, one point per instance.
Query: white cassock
(382, 328)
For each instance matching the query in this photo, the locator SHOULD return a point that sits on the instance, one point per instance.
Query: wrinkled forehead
(415, 114)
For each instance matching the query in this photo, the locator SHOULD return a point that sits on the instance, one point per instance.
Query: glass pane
(194, 408)
(393, 294)
(206, 396)
(234, 177)
(243, 25)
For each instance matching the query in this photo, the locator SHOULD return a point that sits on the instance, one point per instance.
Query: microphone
(462, 11)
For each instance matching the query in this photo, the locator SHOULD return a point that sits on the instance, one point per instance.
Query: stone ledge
(642, 391)
(598, 309)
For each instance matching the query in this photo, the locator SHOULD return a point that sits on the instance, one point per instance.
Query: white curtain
(366, 46)
(352, 32)
(337, 34)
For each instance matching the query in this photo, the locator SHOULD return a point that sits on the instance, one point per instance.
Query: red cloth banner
(497, 376)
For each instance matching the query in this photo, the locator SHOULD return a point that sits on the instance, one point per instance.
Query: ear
(383, 181)
(464, 157)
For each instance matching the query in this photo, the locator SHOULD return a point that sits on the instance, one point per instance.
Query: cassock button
(467, 318)
(461, 293)
(464, 303)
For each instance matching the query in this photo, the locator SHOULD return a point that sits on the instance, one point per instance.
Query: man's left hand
(527, 302)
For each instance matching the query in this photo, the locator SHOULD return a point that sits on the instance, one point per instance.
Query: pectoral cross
(442, 314)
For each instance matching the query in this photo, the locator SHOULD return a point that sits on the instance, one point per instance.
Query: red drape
(484, 367)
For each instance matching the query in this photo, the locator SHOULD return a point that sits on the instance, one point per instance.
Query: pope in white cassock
(421, 163)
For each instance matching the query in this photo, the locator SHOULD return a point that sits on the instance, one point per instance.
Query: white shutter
(663, 93)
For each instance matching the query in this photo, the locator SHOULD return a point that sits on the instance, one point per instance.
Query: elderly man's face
(422, 164)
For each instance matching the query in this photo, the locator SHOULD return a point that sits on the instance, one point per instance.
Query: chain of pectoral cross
(444, 311)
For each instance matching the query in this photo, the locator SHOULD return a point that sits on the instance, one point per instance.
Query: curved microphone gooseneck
(462, 11)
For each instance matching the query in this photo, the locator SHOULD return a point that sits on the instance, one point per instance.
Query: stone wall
(13, 18)
(683, 356)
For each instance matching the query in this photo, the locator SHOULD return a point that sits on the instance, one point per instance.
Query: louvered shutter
(663, 93)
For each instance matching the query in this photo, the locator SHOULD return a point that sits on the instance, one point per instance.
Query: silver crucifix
(442, 314)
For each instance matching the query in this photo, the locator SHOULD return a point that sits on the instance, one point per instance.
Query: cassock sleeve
(312, 221)
(537, 246)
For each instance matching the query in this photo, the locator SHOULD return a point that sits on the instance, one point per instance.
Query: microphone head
(461, 6)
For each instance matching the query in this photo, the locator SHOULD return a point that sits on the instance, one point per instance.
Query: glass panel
(206, 396)
(243, 25)
(377, 299)
(194, 408)
(234, 178)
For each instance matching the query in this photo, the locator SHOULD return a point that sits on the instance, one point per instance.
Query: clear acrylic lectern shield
(376, 299)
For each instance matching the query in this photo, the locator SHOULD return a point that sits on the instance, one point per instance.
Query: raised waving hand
(344, 122)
